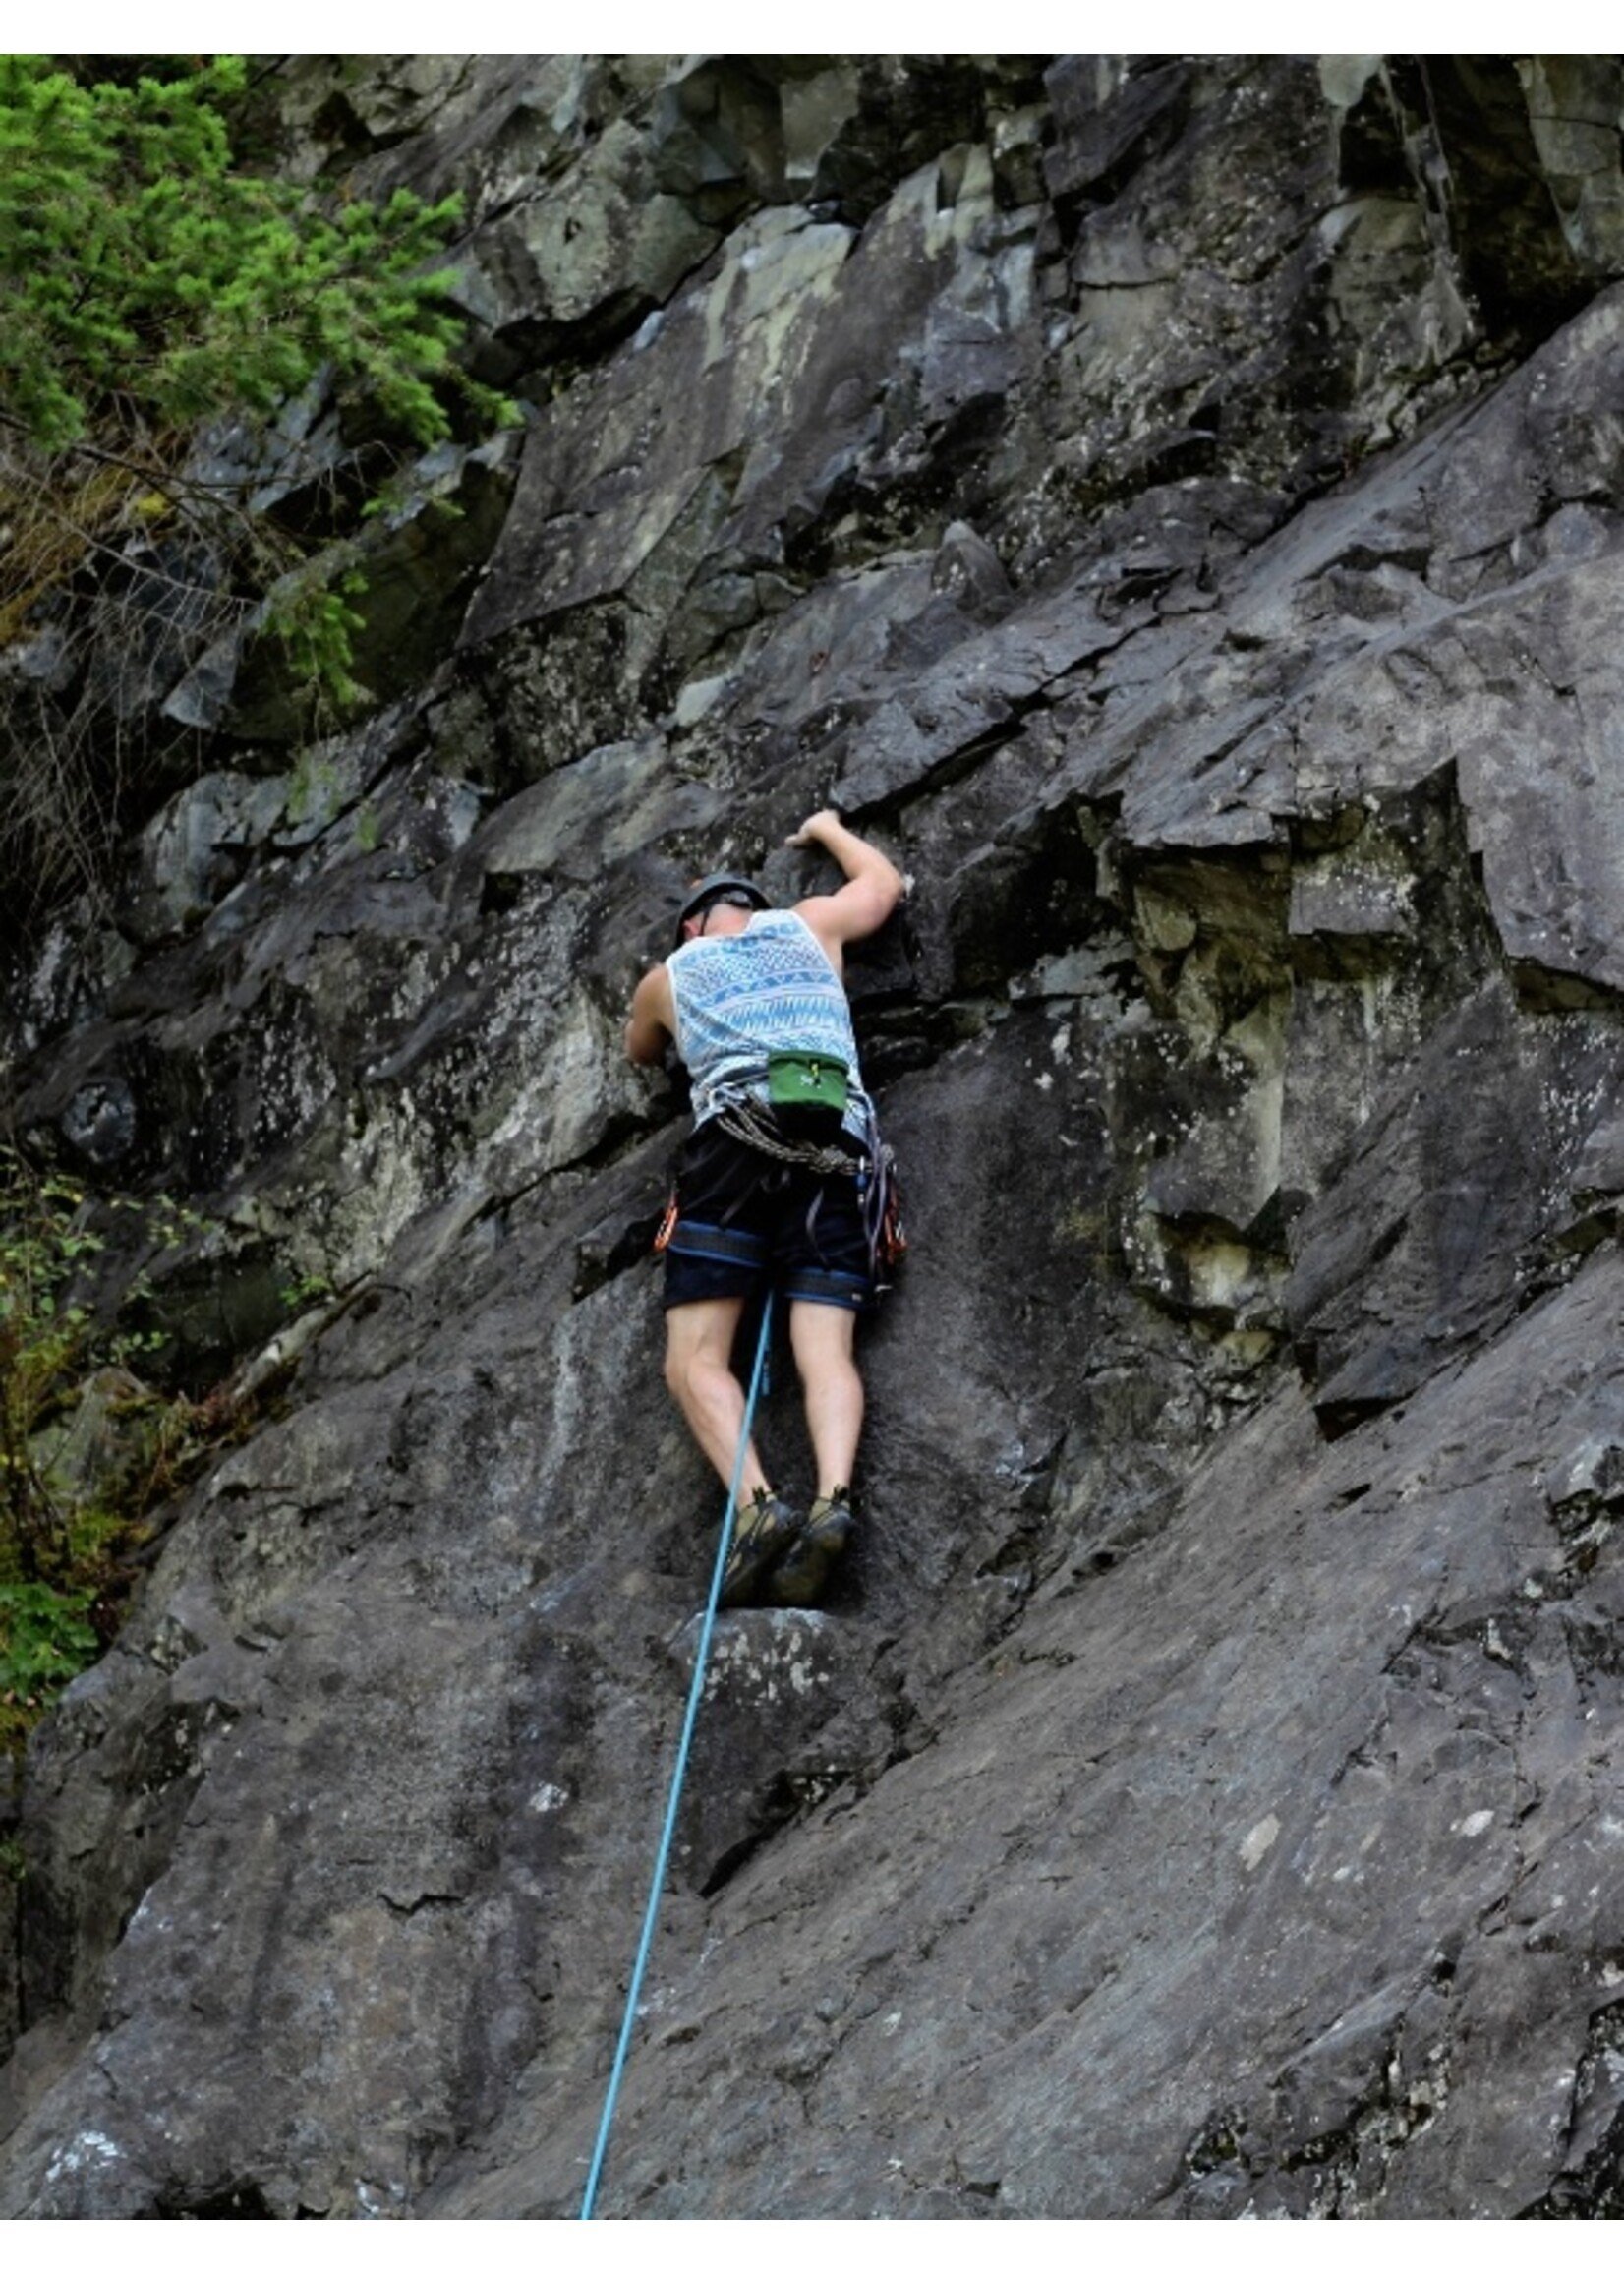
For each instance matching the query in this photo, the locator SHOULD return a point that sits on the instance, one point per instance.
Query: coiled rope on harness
(754, 1126)
(695, 1692)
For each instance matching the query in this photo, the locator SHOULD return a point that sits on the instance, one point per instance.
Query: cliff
(1175, 507)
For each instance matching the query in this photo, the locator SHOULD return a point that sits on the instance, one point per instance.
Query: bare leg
(699, 1374)
(821, 1336)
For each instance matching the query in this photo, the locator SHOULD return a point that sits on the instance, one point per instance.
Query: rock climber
(782, 1182)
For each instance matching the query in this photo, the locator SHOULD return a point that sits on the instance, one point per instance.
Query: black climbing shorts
(744, 1220)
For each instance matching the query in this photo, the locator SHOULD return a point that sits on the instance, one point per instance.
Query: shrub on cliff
(149, 284)
(86, 1448)
(152, 287)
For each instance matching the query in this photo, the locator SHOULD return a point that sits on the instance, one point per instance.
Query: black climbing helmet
(736, 892)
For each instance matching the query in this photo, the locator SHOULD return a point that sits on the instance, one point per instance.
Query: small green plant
(13, 1863)
(44, 1338)
(311, 610)
(312, 782)
(299, 1293)
(45, 1639)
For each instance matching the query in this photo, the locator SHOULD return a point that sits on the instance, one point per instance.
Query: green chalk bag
(807, 1090)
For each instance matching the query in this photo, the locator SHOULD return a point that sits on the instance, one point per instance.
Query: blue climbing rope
(695, 1688)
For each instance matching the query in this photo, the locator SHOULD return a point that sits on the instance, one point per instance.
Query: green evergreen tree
(150, 284)
(146, 278)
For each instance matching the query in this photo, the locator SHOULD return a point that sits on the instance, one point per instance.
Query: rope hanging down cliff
(695, 1692)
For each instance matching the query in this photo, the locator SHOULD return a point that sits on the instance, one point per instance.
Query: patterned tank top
(742, 993)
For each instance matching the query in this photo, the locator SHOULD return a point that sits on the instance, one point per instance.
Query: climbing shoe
(806, 1566)
(762, 1529)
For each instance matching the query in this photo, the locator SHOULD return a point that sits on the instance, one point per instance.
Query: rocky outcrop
(1175, 507)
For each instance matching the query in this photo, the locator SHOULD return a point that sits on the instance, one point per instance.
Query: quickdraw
(668, 1225)
(894, 1238)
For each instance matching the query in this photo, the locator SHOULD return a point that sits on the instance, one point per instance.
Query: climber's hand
(816, 828)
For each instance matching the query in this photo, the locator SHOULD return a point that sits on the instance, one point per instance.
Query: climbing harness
(879, 1196)
(695, 1691)
(758, 1129)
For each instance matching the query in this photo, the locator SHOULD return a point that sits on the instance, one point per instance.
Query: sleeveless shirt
(742, 993)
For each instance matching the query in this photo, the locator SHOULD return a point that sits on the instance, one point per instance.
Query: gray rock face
(1176, 508)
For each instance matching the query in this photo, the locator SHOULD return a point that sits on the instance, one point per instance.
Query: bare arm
(872, 889)
(652, 1022)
